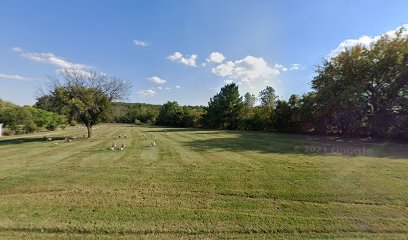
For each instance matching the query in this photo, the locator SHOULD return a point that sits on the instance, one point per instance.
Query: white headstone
(1, 129)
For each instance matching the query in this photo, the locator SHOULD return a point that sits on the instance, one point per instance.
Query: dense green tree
(224, 109)
(305, 113)
(170, 114)
(192, 116)
(282, 117)
(363, 90)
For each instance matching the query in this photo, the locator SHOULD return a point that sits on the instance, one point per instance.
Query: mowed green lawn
(201, 184)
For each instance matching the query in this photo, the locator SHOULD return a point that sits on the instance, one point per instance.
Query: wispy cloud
(157, 80)
(49, 58)
(12, 77)
(188, 60)
(281, 68)
(178, 86)
(141, 43)
(147, 93)
(296, 66)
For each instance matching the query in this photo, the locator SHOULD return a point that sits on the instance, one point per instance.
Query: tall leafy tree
(224, 109)
(249, 100)
(248, 112)
(268, 97)
(282, 117)
(84, 96)
(363, 90)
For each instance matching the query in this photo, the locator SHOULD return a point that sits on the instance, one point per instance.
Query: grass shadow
(164, 129)
(238, 141)
(28, 140)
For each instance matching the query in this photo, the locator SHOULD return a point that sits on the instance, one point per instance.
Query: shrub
(30, 127)
(7, 132)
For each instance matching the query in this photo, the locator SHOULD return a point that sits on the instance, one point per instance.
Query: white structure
(1, 129)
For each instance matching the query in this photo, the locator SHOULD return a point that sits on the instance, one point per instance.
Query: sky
(183, 51)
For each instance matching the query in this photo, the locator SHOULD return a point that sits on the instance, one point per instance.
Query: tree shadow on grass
(313, 145)
(239, 141)
(164, 129)
(28, 140)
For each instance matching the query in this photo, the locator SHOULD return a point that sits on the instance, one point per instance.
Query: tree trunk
(89, 130)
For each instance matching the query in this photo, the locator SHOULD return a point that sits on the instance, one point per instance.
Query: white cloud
(363, 40)
(157, 80)
(188, 60)
(146, 93)
(12, 77)
(175, 56)
(141, 43)
(177, 86)
(216, 57)
(168, 88)
(160, 88)
(251, 73)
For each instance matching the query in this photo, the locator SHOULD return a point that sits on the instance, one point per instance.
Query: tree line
(360, 92)
(27, 119)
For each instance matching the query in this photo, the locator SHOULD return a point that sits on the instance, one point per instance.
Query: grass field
(201, 184)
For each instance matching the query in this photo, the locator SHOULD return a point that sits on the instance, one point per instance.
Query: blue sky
(254, 43)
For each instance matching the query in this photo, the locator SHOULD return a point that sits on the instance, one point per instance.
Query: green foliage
(85, 97)
(268, 97)
(129, 112)
(363, 91)
(249, 100)
(86, 105)
(28, 119)
(224, 109)
(281, 119)
(171, 114)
